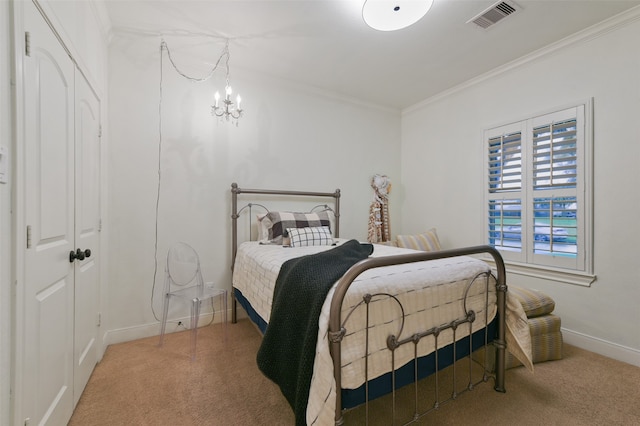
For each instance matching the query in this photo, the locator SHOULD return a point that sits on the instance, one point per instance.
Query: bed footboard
(337, 330)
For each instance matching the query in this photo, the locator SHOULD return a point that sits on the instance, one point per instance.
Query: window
(538, 190)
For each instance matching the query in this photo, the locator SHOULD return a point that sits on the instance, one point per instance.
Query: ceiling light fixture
(391, 15)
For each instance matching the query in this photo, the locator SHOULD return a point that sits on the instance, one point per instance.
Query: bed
(386, 320)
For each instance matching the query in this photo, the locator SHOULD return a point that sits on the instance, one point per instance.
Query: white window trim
(546, 272)
(515, 264)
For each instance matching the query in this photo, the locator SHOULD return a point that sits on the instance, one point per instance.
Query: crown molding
(598, 30)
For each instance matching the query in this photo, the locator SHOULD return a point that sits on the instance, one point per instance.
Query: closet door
(87, 233)
(47, 313)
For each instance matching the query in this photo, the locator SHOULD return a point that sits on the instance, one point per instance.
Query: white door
(47, 314)
(87, 233)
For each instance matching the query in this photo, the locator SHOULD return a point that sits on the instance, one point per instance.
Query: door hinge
(100, 131)
(100, 225)
(28, 236)
(27, 43)
(99, 319)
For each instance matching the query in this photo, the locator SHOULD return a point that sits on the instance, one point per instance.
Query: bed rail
(337, 331)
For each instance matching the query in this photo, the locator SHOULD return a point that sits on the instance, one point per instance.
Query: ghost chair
(183, 281)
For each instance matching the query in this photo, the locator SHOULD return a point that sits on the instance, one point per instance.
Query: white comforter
(432, 294)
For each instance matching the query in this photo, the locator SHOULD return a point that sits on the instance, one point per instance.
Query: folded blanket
(287, 352)
(518, 336)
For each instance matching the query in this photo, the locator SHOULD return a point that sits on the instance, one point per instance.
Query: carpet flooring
(138, 383)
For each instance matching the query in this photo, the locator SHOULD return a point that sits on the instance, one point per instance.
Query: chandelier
(228, 109)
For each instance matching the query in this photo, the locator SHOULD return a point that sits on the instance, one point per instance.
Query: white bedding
(431, 293)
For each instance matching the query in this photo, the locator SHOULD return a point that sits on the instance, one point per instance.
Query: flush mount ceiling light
(391, 15)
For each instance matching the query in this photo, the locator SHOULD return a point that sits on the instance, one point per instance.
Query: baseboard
(127, 334)
(602, 347)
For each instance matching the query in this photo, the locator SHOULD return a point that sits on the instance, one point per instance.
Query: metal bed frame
(337, 329)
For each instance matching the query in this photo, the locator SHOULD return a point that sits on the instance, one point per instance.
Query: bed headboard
(235, 213)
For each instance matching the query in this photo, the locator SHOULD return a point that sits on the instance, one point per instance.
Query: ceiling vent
(493, 14)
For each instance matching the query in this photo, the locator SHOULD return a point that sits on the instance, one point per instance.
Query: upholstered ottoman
(546, 337)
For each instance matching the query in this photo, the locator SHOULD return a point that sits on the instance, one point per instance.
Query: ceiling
(325, 43)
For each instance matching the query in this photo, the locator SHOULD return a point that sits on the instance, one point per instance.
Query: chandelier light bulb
(391, 15)
(217, 98)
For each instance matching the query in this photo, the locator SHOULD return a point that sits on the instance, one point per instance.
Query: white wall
(290, 138)
(442, 142)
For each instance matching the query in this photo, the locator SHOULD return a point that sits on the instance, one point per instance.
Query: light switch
(4, 165)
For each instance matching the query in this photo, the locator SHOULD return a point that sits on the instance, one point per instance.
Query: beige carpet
(137, 383)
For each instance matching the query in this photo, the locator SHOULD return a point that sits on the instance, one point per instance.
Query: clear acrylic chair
(183, 281)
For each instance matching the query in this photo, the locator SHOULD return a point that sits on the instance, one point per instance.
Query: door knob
(79, 254)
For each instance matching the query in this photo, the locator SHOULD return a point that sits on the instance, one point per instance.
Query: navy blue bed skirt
(253, 315)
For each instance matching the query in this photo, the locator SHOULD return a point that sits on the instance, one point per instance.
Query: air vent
(494, 14)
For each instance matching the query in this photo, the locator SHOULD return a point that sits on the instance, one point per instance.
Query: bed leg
(500, 366)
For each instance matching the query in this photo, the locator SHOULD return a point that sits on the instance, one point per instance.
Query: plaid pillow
(313, 236)
(278, 222)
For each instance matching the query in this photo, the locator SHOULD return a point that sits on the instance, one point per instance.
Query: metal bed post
(500, 342)
(234, 245)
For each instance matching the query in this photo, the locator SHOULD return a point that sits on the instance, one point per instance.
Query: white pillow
(263, 227)
(311, 236)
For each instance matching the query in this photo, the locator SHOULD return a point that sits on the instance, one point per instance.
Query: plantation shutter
(555, 158)
(537, 207)
(555, 178)
(505, 162)
(504, 186)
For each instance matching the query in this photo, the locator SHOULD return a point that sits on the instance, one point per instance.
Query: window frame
(578, 269)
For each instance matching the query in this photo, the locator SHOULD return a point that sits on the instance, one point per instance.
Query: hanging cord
(164, 46)
(155, 257)
(225, 53)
